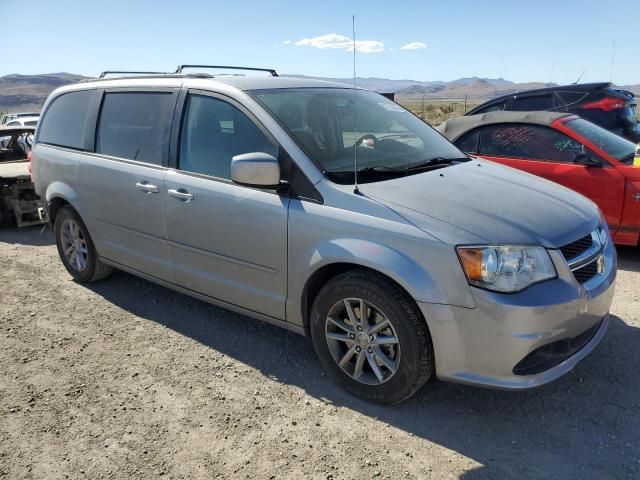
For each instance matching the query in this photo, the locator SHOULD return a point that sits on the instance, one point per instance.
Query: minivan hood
(498, 204)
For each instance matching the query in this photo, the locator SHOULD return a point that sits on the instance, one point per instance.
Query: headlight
(508, 268)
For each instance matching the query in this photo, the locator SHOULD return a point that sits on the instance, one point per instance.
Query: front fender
(392, 263)
(440, 285)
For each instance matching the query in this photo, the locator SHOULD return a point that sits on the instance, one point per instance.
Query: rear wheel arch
(54, 206)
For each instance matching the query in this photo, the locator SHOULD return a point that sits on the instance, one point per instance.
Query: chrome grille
(574, 249)
(587, 272)
(584, 256)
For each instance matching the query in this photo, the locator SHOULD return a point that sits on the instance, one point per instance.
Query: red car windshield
(619, 148)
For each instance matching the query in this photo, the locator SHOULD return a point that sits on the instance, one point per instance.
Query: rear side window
(571, 98)
(468, 143)
(134, 125)
(65, 120)
(534, 103)
(529, 142)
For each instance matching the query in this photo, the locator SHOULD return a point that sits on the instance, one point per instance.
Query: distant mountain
(28, 92)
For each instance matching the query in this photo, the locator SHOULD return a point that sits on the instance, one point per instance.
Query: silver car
(241, 191)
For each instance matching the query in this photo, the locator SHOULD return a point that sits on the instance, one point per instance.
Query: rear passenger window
(534, 103)
(134, 125)
(64, 121)
(213, 132)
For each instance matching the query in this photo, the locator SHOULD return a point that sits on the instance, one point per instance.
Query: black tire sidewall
(85, 275)
(413, 342)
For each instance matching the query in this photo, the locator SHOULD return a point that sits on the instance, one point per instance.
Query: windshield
(327, 122)
(619, 148)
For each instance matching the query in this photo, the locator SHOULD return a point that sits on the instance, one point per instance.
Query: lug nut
(359, 328)
(370, 351)
(351, 335)
(371, 337)
(358, 349)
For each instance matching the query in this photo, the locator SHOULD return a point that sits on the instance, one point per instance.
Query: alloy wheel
(362, 341)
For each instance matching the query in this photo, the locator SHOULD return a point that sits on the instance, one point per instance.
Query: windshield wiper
(628, 158)
(433, 162)
(385, 170)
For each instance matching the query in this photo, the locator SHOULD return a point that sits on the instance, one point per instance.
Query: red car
(563, 148)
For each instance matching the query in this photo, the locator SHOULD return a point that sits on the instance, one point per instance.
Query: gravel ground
(125, 379)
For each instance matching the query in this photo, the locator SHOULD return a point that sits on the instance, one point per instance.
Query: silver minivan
(333, 212)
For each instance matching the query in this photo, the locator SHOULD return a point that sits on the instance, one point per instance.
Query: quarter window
(529, 142)
(134, 125)
(65, 119)
(468, 143)
(213, 132)
(496, 107)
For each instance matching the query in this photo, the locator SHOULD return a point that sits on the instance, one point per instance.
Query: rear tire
(385, 358)
(76, 249)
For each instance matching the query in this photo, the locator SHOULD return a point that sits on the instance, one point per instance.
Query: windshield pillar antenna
(355, 110)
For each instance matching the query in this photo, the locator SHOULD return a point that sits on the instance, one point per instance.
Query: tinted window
(616, 146)
(496, 107)
(538, 102)
(13, 124)
(31, 123)
(569, 98)
(134, 125)
(468, 142)
(213, 132)
(65, 119)
(530, 142)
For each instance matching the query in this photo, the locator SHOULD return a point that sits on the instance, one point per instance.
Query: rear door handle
(146, 187)
(182, 194)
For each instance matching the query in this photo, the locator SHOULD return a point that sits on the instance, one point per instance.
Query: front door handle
(182, 194)
(146, 187)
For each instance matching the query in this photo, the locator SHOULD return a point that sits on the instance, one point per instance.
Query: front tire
(76, 249)
(384, 355)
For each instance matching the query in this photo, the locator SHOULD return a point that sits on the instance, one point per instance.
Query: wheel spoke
(351, 313)
(341, 337)
(378, 327)
(385, 340)
(390, 364)
(68, 251)
(357, 371)
(374, 366)
(341, 325)
(79, 261)
(364, 315)
(347, 356)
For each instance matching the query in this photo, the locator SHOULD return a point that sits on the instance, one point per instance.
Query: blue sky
(521, 41)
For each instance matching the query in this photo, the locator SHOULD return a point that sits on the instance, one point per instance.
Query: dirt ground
(125, 379)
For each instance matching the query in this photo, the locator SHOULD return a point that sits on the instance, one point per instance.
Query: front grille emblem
(600, 264)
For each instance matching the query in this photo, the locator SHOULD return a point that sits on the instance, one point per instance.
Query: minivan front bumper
(523, 340)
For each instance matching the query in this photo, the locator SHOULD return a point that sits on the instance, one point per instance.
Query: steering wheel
(368, 136)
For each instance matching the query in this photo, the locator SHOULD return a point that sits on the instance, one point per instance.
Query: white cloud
(414, 46)
(287, 42)
(334, 40)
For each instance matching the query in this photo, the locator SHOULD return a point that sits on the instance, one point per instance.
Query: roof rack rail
(126, 72)
(225, 67)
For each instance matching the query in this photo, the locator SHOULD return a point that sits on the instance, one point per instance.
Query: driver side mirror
(586, 159)
(255, 169)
